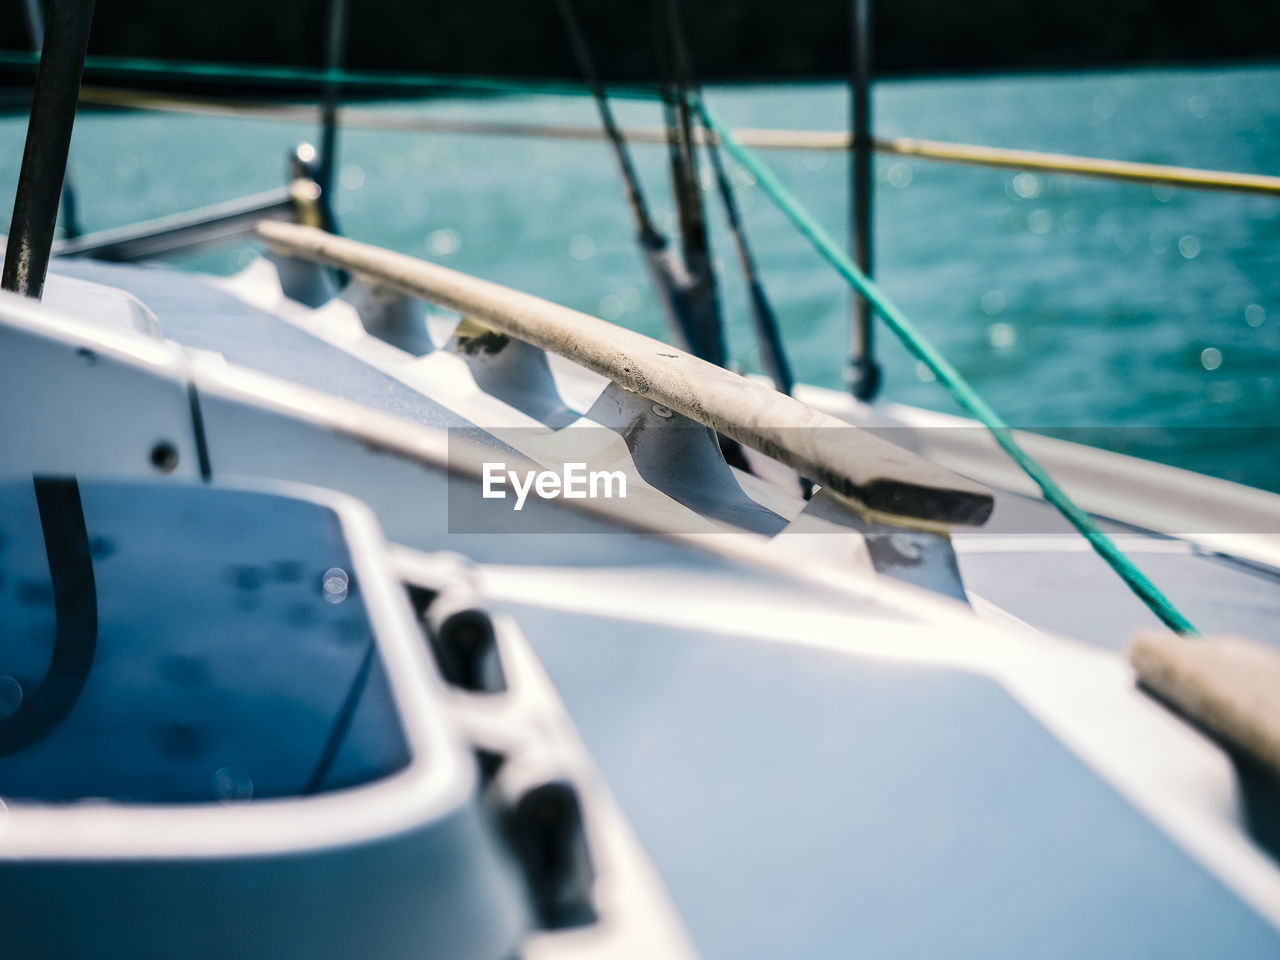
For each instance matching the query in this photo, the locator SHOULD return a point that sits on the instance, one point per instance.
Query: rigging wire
(773, 355)
(680, 115)
(706, 326)
(671, 279)
(675, 73)
(630, 179)
(764, 320)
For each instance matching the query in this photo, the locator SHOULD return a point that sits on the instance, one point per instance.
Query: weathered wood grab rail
(880, 476)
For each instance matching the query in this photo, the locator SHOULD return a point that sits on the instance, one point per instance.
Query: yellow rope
(1080, 166)
(835, 140)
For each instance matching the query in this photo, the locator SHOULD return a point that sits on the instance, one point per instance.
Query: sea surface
(1142, 318)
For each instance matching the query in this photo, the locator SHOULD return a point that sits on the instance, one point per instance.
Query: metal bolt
(907, 547)
(164, 456)
(666, 413)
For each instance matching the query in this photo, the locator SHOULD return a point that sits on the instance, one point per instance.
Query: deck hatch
(234, 656)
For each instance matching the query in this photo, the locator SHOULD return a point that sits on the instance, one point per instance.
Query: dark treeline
(730, 39)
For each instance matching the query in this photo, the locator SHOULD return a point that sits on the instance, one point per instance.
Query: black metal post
(70, 218)
(44, 160)
(864, 374)
(337, 36)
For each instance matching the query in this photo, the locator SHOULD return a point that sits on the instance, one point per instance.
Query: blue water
(1069, 303)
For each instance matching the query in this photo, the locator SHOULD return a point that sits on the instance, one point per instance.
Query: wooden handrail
(881, 477)
(1225, 686)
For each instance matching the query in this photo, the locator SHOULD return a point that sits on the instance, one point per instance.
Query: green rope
(949, 377)
(134, 67)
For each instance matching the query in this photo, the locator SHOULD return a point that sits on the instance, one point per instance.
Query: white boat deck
(813, 752)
